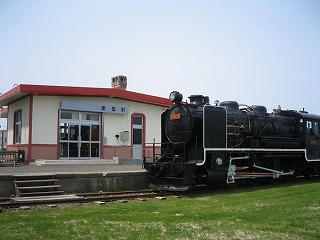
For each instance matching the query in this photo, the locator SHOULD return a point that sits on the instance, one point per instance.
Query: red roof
(23, 90)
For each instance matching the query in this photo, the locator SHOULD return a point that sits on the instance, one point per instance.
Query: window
(316, 128)
(90, 116)
(137, 129)
(312, 127)
(69, 115)
(17, 127)
(137, 120)
(64, 131)
(137, 136)
(76, 116)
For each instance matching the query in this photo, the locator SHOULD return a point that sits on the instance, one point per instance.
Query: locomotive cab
(312, 143)
(309, 130)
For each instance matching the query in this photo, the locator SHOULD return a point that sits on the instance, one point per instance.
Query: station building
(64, 122)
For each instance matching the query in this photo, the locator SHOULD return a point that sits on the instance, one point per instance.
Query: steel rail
(86, 198)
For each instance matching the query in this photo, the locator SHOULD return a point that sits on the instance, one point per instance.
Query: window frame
(17, 126)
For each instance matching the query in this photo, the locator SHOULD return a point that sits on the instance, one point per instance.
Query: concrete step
(35, 182)
(33, 176)
(46, 193)
(36, 185)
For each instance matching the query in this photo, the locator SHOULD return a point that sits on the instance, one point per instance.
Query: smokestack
(119, 82)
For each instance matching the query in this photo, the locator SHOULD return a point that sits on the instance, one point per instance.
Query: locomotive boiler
(227, 143)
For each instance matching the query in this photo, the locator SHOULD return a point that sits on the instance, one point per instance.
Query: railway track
(104, 197)
(101, 197)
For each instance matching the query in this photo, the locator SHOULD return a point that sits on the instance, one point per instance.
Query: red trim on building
(11, 93)
(111, 151)
(24, 89)
(42, 151)
(30, 129)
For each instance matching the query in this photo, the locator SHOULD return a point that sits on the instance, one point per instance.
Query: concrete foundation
(6, 186)
(72, 183)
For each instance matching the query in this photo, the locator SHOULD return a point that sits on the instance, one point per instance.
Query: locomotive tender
(227, 143)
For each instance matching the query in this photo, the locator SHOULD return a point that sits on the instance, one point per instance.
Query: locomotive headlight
(175, 97)
(219, 161)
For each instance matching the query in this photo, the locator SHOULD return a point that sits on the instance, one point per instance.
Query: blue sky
(258, 52)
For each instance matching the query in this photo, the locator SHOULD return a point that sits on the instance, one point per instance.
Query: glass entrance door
(79, 141)
(73, 141)
(84, 142)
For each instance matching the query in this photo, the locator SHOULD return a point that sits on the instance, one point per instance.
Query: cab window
(312, 127)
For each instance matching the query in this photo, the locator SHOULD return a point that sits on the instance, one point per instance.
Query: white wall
(45, 120)
(113, 124)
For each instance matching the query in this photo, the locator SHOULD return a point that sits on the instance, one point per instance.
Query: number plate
(175, 116)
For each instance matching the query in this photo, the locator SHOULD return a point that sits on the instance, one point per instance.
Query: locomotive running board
(253, 150)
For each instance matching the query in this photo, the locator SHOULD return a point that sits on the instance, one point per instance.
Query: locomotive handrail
(155, 157)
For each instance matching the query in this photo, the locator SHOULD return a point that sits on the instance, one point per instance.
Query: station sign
(92, 107)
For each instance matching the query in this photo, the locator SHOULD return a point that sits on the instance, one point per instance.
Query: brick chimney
(119, 81)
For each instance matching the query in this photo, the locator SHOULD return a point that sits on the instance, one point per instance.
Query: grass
(289, 212)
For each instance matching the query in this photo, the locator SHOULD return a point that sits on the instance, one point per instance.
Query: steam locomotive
(227, 143)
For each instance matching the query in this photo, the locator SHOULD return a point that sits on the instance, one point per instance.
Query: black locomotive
(228, 143)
